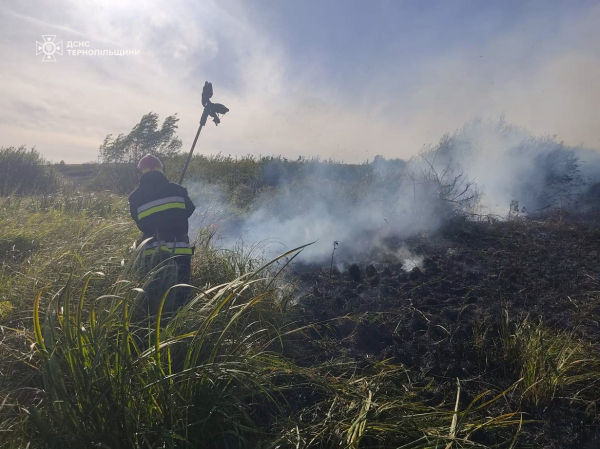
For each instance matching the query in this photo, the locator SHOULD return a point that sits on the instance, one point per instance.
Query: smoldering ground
(486, 167)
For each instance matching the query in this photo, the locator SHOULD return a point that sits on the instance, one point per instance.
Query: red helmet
(150, 163)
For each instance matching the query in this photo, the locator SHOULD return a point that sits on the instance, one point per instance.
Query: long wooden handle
(191, 152)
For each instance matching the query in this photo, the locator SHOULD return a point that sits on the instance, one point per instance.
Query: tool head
(211, 109)
(219, 108)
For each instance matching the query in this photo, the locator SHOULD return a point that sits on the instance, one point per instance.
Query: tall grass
(551, 363)
(103, 204)
(113, 378)
(47, 238)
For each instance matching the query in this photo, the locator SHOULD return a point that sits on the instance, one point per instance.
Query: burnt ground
(471, 277)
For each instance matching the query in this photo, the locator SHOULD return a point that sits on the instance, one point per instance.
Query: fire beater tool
(210, 109)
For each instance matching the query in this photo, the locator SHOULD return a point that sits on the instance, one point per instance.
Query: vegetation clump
(25, 172)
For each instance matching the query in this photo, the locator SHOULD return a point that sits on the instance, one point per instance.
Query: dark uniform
(161, 210)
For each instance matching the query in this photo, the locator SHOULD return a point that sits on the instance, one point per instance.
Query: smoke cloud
(480, 169)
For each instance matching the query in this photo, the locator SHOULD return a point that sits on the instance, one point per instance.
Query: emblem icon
(48, 48)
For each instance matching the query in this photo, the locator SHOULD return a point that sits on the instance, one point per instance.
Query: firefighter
(161, 210)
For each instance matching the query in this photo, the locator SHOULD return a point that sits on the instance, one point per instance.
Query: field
(503, 306)
(482, 333)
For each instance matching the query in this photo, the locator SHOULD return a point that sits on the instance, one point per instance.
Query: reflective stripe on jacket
(172, 202)
(160, 207)
(176, 248)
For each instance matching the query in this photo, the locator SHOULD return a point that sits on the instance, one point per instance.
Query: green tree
(145, 138)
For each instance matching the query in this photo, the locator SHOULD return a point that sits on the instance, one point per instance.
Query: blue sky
(338, 79)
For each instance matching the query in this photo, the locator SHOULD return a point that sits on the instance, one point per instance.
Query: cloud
(47, 25)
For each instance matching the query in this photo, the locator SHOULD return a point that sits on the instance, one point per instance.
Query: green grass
(551, 364)
(191, 380)
(50, 238)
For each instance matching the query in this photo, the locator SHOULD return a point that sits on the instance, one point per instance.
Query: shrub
(24, 172)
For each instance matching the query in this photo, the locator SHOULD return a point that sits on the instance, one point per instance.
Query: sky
(343, 80)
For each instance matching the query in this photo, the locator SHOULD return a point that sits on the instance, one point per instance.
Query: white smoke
(360, 206)
(409, 259)
(510, 164)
